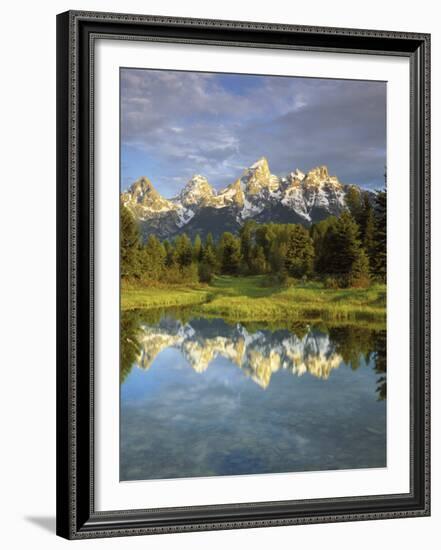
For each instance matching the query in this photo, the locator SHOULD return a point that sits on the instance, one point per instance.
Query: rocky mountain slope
(257, 194)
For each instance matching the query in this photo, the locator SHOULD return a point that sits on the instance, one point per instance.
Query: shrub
(179, 275)
(331, 283)
(205, 273)
(276, 279)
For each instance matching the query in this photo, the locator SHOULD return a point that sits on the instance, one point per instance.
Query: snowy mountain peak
(318, 174)
(319, 177)
(298, 175)
(144, 200)
(142, 186)
(257, 194)
(196, 191)
(143, 192)
(260, 163)
(258, 177)
(232, 194)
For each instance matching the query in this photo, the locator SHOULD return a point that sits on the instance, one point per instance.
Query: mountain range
(259, 195)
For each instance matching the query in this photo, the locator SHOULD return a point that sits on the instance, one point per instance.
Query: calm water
(201, 398)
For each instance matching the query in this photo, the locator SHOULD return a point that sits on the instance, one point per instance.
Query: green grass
(249, 299)
(161, 297)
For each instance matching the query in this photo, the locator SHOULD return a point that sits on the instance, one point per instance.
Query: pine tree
(299, 260)
(345, 257)
(258, 263)
(229, 250)
(129, 244)
(369, 235)
(209, 257)
(170, 256)
(343, 245)
(197, 249)
(265, 235)
(359, 274)
(379, 267)
(278, 257)
(209, 241)
(322, 235)
(183, 250)
(152, 259)
(354, 203)
(246, 242)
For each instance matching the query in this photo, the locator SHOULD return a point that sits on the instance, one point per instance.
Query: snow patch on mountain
(257, 192)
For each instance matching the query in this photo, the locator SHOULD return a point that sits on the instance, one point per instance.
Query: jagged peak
(261, 162)
(196, 189)
(233, 192)
(255, 194)
(142, 184)
(257, 177)
(143, 190)
(319, 171)
(259, 169)
(298, 174)
(319, 176)
(197, 181)
(235, 185)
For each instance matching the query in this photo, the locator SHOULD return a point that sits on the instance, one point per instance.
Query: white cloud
(216, 125)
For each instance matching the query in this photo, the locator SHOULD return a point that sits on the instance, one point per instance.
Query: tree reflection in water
(259, 350)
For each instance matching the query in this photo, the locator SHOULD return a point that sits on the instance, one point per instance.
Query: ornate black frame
(76, 32)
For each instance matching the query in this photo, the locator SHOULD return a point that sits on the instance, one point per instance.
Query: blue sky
(176, 124)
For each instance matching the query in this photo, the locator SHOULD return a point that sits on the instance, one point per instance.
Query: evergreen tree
(152, 259)
(197, 249)
(258, 263)
(354, 202)
(278, 257)
(379, 267)
(170, 256)
(129, 244)
(343, 245)
(265, 235)
(209, 257)
(321, 240)
(366, 209)
(209, 241)
(183, 250)
(359, 274)
(345, 257)
(369, 235)
(229, 251)
(299, 259)
(246, 242)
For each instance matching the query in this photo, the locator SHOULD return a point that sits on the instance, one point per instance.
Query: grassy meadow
(252, 299)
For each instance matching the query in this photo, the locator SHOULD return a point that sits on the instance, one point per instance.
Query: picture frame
(77, 516)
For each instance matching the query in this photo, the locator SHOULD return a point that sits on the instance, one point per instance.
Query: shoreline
(246, 299)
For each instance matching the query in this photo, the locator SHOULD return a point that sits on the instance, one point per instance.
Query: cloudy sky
(175, 124)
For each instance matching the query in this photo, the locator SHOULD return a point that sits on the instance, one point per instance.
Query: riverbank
(250, 299)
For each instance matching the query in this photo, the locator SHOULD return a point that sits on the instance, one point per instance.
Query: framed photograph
(243, 274)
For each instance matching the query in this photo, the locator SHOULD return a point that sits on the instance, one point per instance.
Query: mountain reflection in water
(181, 377)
